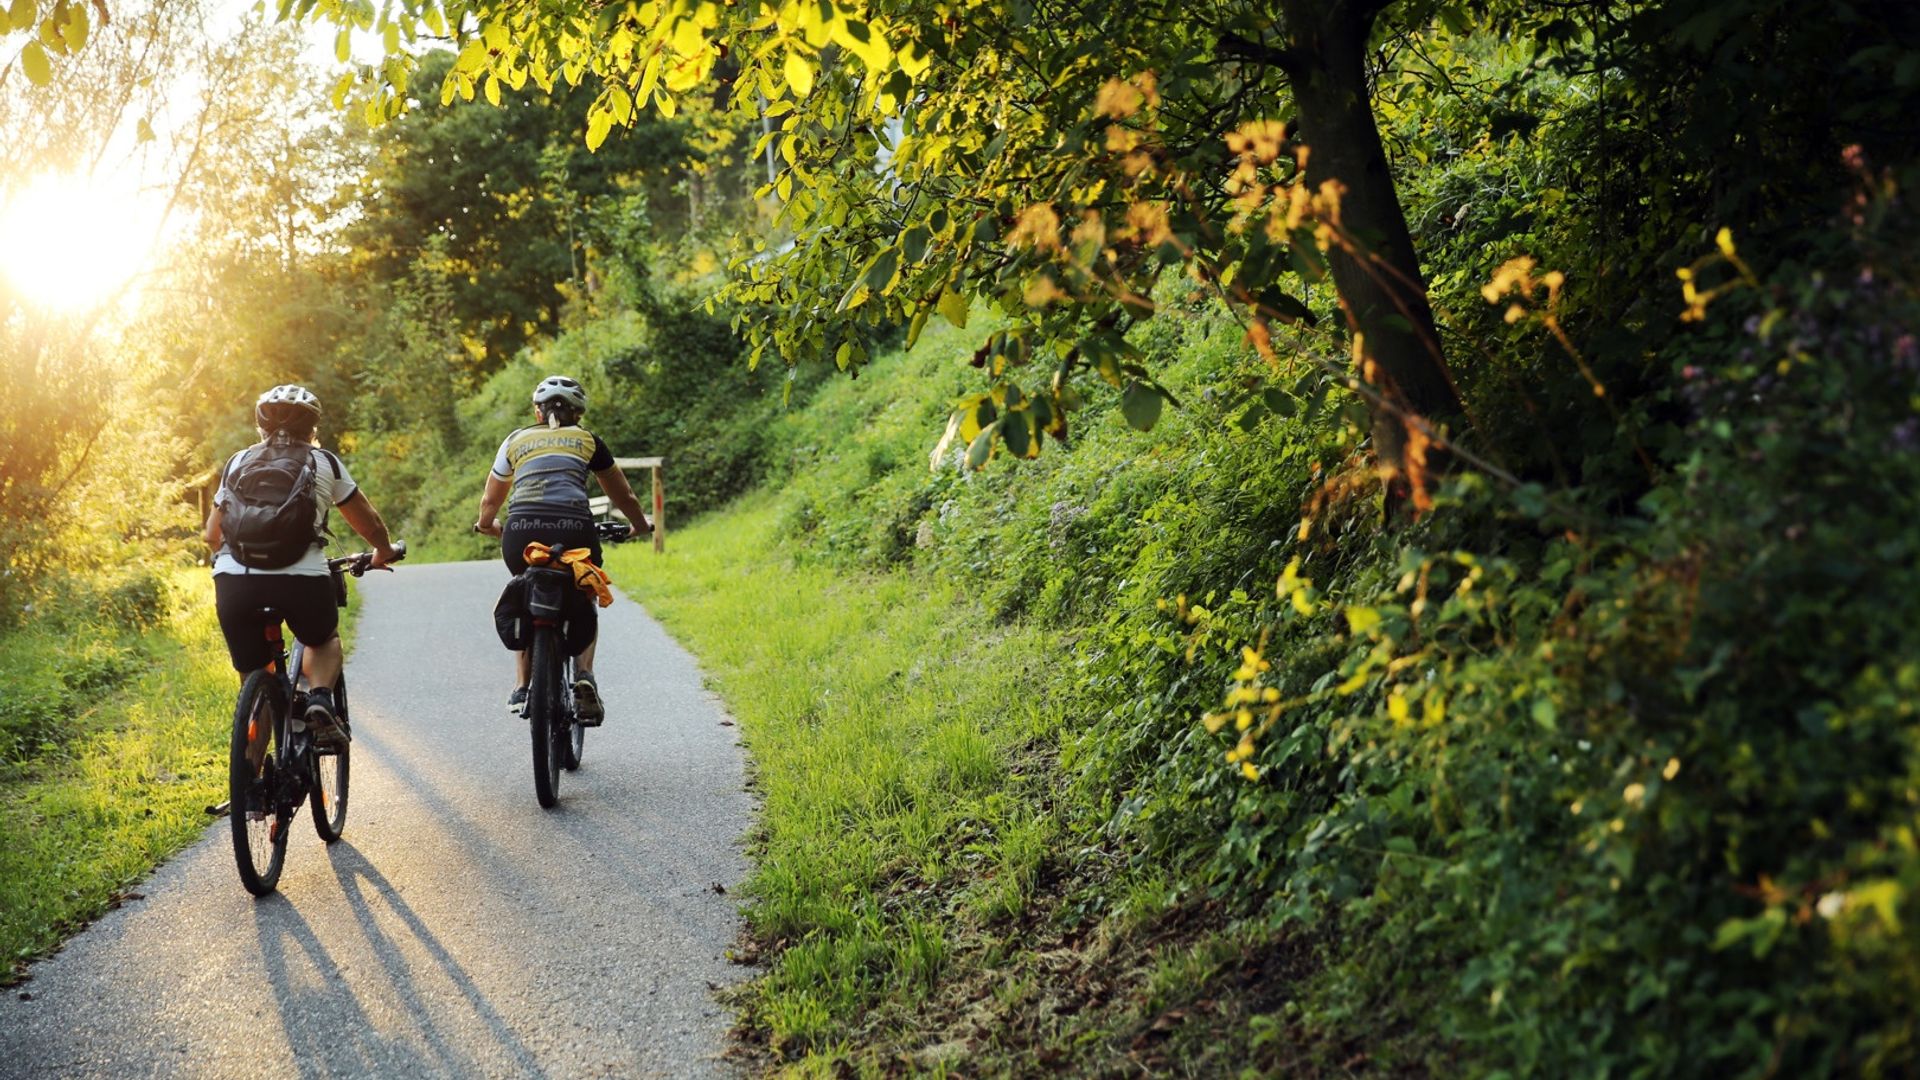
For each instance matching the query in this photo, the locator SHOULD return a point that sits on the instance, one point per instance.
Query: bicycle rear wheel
(332, 766)
(546, 718)
(260, 824)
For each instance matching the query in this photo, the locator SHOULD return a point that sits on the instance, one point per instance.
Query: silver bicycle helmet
(559, 388)
(286, 405)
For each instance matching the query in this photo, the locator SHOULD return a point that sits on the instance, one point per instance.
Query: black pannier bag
(547, 594)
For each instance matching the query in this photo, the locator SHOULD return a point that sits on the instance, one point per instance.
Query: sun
(70, 246)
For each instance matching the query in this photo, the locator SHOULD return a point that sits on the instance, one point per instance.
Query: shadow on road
(328, 1027)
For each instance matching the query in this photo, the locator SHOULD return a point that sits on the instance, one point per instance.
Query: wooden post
(659, 513)
(654, 465)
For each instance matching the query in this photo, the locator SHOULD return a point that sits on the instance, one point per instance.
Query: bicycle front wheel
(254, 782)
(546, 718)
(327, 796)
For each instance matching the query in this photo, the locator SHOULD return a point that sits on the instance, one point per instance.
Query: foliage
(113, 735)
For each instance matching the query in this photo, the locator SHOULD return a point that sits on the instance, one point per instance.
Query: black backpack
(268, 516)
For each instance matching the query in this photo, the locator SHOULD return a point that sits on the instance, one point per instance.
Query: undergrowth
(1160, 752)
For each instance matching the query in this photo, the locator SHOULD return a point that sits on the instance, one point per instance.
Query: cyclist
(545, 469)
(267, 531)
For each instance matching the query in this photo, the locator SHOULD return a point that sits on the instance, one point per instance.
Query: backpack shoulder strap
(333, 460)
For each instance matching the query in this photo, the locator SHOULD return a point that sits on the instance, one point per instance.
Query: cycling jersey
(548, 468)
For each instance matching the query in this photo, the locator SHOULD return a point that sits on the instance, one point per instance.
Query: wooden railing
(603, 506)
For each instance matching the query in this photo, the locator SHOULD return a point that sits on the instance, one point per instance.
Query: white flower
(1831, 905)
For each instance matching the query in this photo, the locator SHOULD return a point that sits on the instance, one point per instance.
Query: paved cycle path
(457, 929)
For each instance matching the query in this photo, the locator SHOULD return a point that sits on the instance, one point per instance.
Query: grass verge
(920, 899)
(115, 745)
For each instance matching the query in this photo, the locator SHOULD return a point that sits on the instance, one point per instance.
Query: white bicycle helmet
(559, 388)
(286, 404)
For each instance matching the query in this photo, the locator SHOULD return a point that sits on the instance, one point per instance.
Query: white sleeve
(333, 472)
(502, 468)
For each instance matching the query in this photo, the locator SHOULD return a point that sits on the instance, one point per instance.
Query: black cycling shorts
(517, 532)
(305, 601)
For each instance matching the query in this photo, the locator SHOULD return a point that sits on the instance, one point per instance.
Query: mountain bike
(273, 764)
(559, 737)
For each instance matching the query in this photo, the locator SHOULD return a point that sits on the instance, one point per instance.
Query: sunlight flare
(70, 245)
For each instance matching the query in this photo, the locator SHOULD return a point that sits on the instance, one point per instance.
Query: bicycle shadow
(328, 1032)
(455, 1052)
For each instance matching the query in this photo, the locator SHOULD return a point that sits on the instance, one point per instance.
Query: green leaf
(1308, 261)
(1019, 436)
(914, 243)
(982, 447)
(881, 270)
(915, 326)
(1140, 403)
(1278, 401)
(1545, 714)
(33, 61)
(1286, 307)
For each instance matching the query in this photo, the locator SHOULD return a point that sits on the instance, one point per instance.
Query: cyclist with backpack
(267, 529)
(544, 469)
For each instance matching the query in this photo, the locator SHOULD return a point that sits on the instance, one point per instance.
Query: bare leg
(583, 664)
(522, 667)
(322, 663)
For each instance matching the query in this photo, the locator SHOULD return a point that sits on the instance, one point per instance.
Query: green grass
(122, 779)
(884, 721)
(116, 744)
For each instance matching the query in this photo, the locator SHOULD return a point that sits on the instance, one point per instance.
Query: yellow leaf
(914, 59)
(598, 125)
(1362, 619)
(666, 105)
(648, 78)
(1397, 708)
(493, 90)
(343, 45)
(1883, 897)
(1724, 241)
(1248, 770)
(799, 74)
(953, 308)
(687, 39)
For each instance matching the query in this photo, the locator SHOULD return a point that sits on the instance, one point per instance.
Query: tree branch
(1259, 52)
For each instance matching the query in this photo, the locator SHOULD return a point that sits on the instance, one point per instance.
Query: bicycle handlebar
(362, 562)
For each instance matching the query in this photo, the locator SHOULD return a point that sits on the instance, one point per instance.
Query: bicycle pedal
(220, 809)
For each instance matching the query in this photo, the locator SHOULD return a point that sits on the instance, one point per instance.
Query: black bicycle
(272, 768)
(559, 736)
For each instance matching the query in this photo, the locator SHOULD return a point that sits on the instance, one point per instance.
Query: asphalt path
(457, 929)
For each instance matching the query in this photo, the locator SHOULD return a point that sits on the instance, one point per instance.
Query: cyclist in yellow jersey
(540, 474)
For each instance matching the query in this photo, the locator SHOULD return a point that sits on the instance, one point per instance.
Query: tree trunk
(1383, 290)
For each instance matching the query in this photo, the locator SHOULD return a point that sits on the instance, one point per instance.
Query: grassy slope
(931, 889)
(122, 778)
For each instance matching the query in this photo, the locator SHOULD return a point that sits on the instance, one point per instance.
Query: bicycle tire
(543, 709)
(260, 825)
(332, 769)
